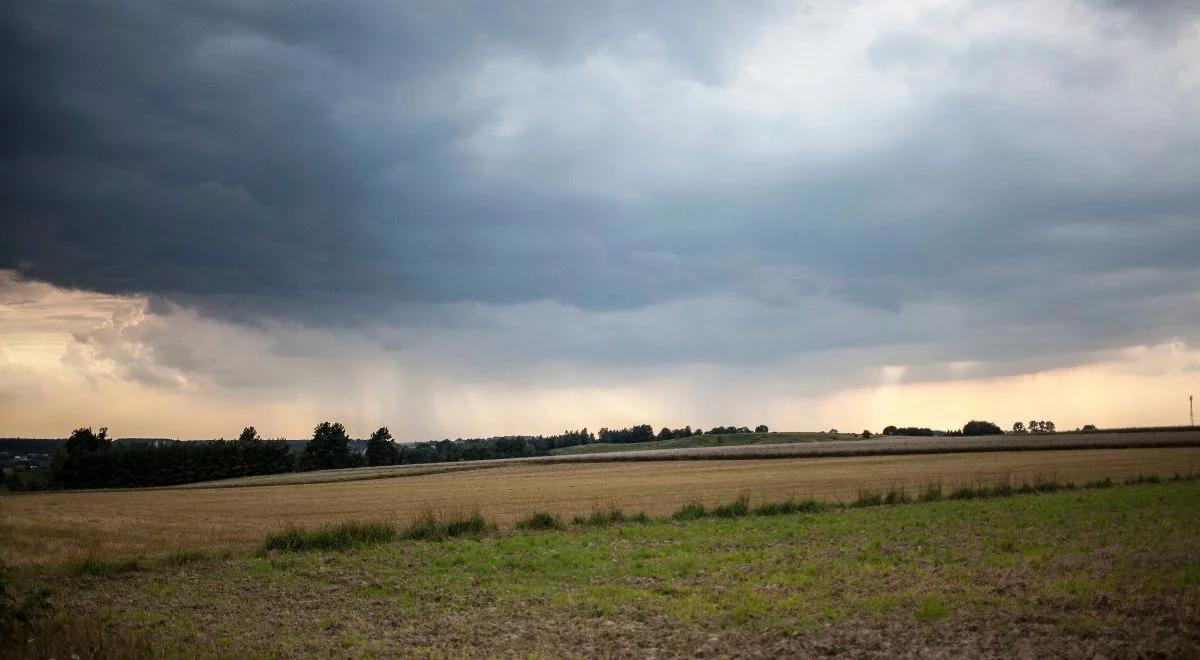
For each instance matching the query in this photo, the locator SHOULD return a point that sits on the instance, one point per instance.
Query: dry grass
(56, 528)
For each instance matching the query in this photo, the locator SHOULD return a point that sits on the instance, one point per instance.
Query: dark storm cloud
(343, 162)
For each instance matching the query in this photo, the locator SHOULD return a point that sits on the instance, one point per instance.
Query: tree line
(91, 459)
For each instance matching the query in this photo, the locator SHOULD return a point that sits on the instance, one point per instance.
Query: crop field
(715, 440)
(49, 529)
(1096, 572)
(749, 447)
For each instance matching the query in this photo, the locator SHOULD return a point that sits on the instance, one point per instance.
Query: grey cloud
(348, 164)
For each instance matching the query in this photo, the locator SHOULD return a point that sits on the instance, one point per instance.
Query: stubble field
(1096, 572)
(50, 529)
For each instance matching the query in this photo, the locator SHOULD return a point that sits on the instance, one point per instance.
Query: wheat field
(46, 529)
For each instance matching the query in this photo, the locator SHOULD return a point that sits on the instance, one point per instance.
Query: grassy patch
(735, 509)
(934, 607)
(337, 537)
(542, 520)
(610, 516)
(789, 506)
(183, 558)
(98, 567)
(1088, 562)
(690, 511)
(430, 528)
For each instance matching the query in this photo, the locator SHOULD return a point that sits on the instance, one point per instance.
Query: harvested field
(52, 528)
(1106, 572)
(800, 445)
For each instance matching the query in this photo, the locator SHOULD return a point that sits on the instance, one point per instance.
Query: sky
(471, 219)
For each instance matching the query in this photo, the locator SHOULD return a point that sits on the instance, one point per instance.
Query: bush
(337, 537)
(542, 520)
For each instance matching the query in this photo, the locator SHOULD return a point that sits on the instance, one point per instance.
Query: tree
(1089, 427)
(381, 450)
(83, 460)
(1018, 427)
(762, 428)
(1033, 425)
(329, 448)
(977, 427)
(889, 430)
(249, 435)
(83, 439)
(866, 434)
(1048, 426)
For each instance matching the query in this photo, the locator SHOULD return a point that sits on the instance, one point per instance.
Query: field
(731, 447)
(48, 529)
(716, 440)
(1099, 572)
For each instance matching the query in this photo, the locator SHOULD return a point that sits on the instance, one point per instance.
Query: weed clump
(788, 506)
(97, 567)
(612, 516)
(690, 511)
(931, 493)
(430, 528)
(1106, 482)
(542, 520)
(735, 509)
(1143, 479)
(183, 557)
(866, 498)
(337, 537)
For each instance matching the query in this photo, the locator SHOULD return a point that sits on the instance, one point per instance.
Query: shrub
(337, 537)
(542, 520)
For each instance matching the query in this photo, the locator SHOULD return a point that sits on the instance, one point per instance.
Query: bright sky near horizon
(524, 217)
